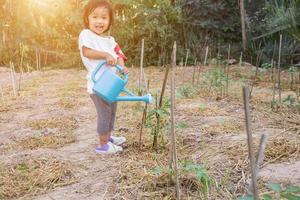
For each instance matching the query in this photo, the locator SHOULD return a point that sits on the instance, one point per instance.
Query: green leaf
(290, 196)
(292, 189)
(275, 186)
(157, 171)
(267, 197)
(247, 197)
(182, 125)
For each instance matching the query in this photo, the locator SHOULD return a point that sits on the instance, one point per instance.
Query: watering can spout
(146, 98)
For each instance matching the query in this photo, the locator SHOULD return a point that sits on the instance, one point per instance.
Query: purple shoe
(117, 140)
(109, 148)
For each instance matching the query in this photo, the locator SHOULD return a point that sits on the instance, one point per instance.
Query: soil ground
(53, 120)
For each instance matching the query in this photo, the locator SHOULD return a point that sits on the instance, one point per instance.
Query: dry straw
(34, 176)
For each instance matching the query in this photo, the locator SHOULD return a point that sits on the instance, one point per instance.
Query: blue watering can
(109, 85)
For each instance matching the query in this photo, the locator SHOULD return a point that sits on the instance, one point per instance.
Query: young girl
(95, 44)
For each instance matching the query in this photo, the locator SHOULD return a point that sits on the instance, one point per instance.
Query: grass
(222, 128)
(277, 150)
(68, 103)
(62, 123)
(52, 140)
(205, 111)
(34, 176)
(60, 133)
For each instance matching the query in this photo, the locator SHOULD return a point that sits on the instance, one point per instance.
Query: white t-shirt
(93, 41)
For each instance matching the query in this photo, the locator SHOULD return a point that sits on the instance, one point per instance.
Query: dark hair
(92, 5)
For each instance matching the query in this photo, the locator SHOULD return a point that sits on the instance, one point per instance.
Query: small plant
(290, 193)
(200, 173)
(266, 66)
(216, 79)
(202, 106)
(292, 71)
(182, 125)
(187, 167)
(157, 120)
(187, 91)
(289, 101)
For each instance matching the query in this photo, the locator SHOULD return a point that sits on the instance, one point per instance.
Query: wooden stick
(184, 68)
(163, 87)
(12, 78)
(39, 59)
(279, 56)
(194, 71)
(274, 85)
(27, 68)
(45, 59)
(250, 141)
(259, 158)
(2, 93)
(260, 154)
(154, 145)
(241, 59)
(143, 119)
(173, 135)
(36, 60)
(227, 71)
(3, 37)
(206, 54)
(141, 65)
(242, 13)
(21, 59)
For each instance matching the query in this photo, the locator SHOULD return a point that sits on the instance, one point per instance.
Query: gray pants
(106, 114)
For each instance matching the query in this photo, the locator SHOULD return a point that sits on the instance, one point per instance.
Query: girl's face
(99, 20)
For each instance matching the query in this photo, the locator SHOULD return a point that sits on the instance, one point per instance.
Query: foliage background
(52, 27)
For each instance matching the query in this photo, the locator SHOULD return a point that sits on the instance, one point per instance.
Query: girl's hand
(125, 70)
(110, 60)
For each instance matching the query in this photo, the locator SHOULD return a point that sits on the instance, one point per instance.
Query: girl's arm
(93, 54)
(121, 62)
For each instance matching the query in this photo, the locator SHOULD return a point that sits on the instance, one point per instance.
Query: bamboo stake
(3, 37)
(206, 54)
(274, 85)
(21, 59)
(184, 68)
(173, 153)
(227, 71)
(279, 57)
(259, 158)
(160, 104)
(45, 60)
(241, 59)
(260, 154)
(36, 60)
(2, 93)
(154, 144)
(273, 56)
(250, 141)
(13, 78)
(141, 66)
(27, 68)
(186, 58)
(256, 71)
(143, 119)
(181, 63)
(39, 59)
(194, 71)
(164, 86)
(242, 13)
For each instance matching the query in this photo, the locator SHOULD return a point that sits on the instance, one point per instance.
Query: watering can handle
(103, 62)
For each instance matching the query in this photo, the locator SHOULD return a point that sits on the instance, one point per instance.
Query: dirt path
(210, 133)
